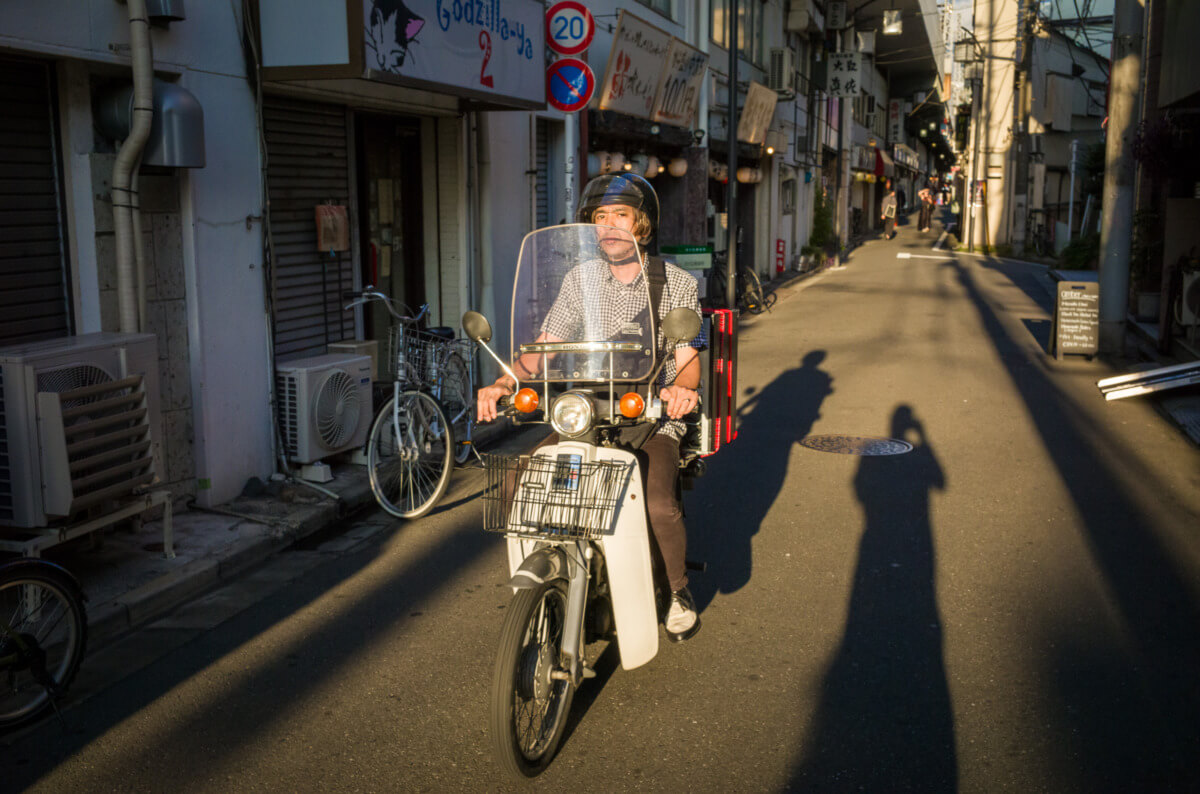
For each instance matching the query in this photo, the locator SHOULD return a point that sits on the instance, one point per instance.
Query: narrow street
(1014, 604)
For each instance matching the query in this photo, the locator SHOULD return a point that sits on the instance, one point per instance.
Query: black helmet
(629, 190)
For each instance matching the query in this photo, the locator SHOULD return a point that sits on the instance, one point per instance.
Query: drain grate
(856, 445)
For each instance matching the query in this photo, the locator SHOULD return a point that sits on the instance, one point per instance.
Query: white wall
(223, 259)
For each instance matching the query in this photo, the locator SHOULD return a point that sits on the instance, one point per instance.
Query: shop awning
(884, 164)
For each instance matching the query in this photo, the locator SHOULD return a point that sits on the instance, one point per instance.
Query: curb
(159, 596)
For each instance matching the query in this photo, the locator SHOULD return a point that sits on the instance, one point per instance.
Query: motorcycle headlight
(572, 414)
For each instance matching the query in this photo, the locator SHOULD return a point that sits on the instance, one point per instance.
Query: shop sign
(836, 14)
(895, 122)
(845, 70)
(569, 27)
(477, 48)
(635, 66)
(757, 113)
(678, 95)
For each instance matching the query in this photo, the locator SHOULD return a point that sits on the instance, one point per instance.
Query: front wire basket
(559, 497)
(414, 354)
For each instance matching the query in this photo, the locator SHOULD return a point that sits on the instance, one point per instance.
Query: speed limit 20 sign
(569, 27)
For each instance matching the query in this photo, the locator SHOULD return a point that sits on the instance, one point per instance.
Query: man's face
(617, 247)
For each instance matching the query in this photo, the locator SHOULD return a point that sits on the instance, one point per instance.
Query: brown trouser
(659, 462)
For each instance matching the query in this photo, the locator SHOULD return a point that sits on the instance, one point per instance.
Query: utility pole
(840, 204)
(731, 189)
(1116, 227)
(1071, 195)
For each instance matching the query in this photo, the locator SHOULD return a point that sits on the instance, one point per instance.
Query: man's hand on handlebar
(679, 400)
(489, 396)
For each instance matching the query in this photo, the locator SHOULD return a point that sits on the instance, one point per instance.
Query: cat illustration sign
(569, 27)
(569, 84)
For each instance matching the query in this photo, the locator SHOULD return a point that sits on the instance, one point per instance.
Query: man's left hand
(680, 400)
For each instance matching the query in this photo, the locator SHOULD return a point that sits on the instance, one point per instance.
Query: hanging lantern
(745, 175)
(594, 160)
(653, 168)
(678, 166)
(616, 162)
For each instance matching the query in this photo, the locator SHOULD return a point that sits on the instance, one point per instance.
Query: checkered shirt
(611, 305)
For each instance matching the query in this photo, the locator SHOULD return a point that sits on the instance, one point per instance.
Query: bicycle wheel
(454, 391)
(752, 297)
(528, 707)
(43, 635)
(408, 455)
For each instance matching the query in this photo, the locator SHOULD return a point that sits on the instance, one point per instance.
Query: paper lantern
(616, 162)
(677, 167)
(652, 167)
(745, 174)
(593, 163)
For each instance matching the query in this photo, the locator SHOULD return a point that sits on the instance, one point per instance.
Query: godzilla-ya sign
(483, 49)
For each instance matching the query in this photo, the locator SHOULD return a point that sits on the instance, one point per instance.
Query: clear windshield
(580, 308)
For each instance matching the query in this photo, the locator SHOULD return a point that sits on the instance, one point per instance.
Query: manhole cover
(856, 445)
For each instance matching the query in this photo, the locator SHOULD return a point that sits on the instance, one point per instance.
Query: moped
(573, 512)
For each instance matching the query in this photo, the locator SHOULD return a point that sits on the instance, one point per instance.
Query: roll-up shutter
(542, 166)
(33, 283)
(308, 163)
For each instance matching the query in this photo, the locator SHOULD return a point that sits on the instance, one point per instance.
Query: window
(787, 197)
(751, 14)
(661, 6)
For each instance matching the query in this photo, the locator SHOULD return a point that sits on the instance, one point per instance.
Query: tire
(408, 461)
(454, 391)
(43, 636)
(753, 299)
(529, 710)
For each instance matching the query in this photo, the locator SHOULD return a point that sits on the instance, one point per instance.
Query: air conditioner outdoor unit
(782, 73)
(98, 442)
(324, 405)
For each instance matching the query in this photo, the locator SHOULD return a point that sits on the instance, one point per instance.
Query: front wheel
(43, 634)
(529, 707)
(408, 455)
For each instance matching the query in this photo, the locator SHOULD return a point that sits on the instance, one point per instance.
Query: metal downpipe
(123, 185)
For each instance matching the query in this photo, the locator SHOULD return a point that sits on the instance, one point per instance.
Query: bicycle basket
(560, 497)
(413, 354)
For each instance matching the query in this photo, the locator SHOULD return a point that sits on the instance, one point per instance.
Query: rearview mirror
(681, 324)
(478, 328)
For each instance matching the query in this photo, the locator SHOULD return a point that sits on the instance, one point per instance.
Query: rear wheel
(529, 707)
(408, 455)
(754, 300)
(454, 390)
(43, 634)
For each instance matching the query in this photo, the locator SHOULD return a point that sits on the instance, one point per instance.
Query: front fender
(544, 565)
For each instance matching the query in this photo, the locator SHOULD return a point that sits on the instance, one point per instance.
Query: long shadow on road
(884, 722)
(1127, 700)
(752, 474)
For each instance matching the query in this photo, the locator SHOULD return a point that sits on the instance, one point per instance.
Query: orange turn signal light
(526, 401)
(632, 405)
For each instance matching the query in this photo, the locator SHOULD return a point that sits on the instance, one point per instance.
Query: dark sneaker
(682, 620)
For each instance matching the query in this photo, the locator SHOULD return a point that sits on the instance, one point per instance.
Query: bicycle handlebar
(369, 293)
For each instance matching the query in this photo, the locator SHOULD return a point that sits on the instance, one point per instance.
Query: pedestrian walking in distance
(888, 208)
(926, 198)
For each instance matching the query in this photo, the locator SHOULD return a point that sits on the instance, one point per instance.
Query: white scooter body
(626, 550)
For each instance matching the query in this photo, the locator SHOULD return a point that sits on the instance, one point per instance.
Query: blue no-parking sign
(569, 84)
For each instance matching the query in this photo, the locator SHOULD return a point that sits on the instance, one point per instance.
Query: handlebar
(369, 293)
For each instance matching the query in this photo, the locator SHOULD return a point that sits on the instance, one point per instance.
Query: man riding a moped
(611, 338)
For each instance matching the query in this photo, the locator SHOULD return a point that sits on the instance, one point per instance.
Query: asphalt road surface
(1011, 605)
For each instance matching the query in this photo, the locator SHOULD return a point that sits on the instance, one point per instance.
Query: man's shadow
(884, 721)
(745, 478)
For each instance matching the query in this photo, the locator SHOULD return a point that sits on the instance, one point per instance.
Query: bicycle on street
(426, 426)
(1037, 236)
(43, 635)
(751, 296)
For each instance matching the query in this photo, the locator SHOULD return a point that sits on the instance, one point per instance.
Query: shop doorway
(391, 217)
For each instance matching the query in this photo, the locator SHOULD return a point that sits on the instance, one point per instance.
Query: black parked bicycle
(751, 296)
(43, 634)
